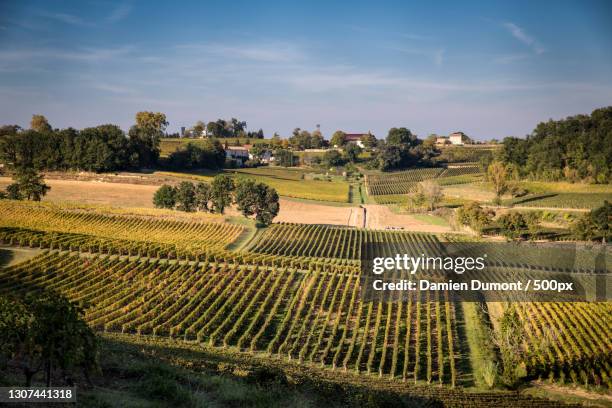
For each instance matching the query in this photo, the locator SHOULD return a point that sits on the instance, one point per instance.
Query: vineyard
(187, 236)
(314, 316)
(569, 342)
(319, 241)
(293, 292)
(563, 200)
(404, 182)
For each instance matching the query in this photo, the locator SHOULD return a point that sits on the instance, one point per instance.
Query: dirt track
(140, 195)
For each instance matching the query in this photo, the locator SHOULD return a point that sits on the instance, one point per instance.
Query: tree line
(101, 148)
(250, 197)
(577, 148)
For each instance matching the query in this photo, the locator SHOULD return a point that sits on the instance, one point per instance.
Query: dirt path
(381, 217)
(117, 194)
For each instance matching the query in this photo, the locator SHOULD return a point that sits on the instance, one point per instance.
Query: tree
(221, 192)
(497, 174)
(145, 136)
(368, 140)
(474, 216)
(389, 157)
(267, 204)
(317, 140)
(44, 331)
(165, 197)
(509, 338)
(151, 122)
(199, 128)
(512, 225)
(432, 193)
(246, 197)
(28, 185)
(332, 158)
(203, 195)
(352, 151)
(401, 136)
(597, 224)
(185, 196)
(283, 157)
(40, 124)
(338, 139)
(257, 199)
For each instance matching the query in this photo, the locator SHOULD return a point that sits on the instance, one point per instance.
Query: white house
(459, 138)
(238, 153)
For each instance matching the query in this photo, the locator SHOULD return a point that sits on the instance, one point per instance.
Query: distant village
(242, 152)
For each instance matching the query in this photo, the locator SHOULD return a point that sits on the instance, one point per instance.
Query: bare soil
(137, 192)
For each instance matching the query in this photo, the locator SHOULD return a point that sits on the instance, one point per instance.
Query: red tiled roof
(353, 136)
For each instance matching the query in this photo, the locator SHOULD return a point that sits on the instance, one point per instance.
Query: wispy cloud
(436, 55)
(20, 57)
(520, 34)
(119, 13)
(62, 17)
(262, 52)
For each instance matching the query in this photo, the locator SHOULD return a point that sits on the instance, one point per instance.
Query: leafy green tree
(512, 225)
(40, 124)
(338, 139)
(44, 331)
(597, 224)
(257, 199)
(509, 339)
(186, 196)
(474, 216)
(368, 140)
(246, 197)
(144, 138)
(389, 157)
(199, 128)
(432, 192)
(401, 136)
(13, 193)
(221, 192)
(352, 151)
(165, 197)
(332, 158)
(203, 195)
(498, 176)
(28, 185)
(267, 204)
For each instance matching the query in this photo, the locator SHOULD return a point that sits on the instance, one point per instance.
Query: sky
(488, 68)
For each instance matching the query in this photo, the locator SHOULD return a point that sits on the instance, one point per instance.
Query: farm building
(354, 138)
(459, 138)
(238, 153)
(456, 138)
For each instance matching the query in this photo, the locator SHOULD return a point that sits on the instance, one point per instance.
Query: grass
(287, 182)
(562, 200)
(431, 219)
(482, 355)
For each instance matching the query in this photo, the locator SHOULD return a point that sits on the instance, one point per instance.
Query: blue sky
(488, 68)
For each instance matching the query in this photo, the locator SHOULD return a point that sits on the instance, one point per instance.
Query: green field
(288, 182)
(169, 145)
(562, 200)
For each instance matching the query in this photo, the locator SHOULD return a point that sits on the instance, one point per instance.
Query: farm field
(404, 182)
(563, 200)
(287, 182)
(291, 293)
